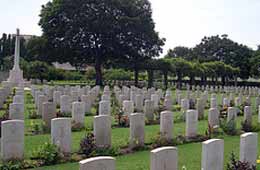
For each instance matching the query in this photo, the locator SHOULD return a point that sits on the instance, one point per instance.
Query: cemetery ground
(189, 155)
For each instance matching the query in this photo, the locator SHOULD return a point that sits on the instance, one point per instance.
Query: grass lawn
(189, 154)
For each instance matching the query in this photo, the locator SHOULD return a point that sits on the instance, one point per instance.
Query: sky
(181, 22)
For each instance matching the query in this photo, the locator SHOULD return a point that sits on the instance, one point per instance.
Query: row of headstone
(49, 98)
(16, 108)
(5, 91)
(211, 88)
(12, 137)
(129, 97)
(166, 158)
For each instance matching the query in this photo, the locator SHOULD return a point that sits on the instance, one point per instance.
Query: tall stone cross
(17, 51)
(16, 74)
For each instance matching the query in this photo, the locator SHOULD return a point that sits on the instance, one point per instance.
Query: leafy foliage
(180, 51)
(48, 153)
(248, 127)
(87, 145)
(235, 164)
(117, 74)
(18, 165)
(221, 48)
(229, 127)
(96, 32)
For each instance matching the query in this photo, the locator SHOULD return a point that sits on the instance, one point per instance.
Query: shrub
(235, 164)
(223, 112)
(56, 74)
(33, 115)
(177, 108)
(73, 75)
(90, 73)
(123, 120)
(48, 154)
(107, 151)
(159, 140)
(59, 114)
(213, 131)
(248, 127)
(229, 127)
(118, 74)
(38, 69)
(36, 128)
(87, 145)
(18, 165)
(45, 128)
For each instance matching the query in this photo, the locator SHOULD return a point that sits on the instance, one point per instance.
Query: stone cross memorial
(16, 74)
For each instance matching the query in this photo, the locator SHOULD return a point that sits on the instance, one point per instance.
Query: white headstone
(164, 158)
(65, 104)
(248, 114)
(49, 113)
(78, 114)
(248, 148)
(149, 109)
(128, 107)
(213, 117)
(166, 124)
(104, 108)
(191, 123)
(41, 99)
(61, 133)
(212, 154)
(102, 131)
(137, 123)
(97, 163)
(87, 103)
(12, 140)
(232, 113)
(16, 111)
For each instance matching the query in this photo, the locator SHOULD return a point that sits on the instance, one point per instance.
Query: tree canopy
(94, 32)
(221, 48)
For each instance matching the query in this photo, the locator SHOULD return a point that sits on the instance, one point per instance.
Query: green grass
(189, 154)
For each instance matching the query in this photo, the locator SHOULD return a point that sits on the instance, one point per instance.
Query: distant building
(63, 66)
(67, 66)
(27, 37)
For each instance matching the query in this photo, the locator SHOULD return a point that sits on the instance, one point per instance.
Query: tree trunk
(98, 72)
(223, 80)
(136, 76)
(205, 80)
(165, 73)
(192, 80)
(201, 80)
(179, 81)
(150, 78)
(235, 81)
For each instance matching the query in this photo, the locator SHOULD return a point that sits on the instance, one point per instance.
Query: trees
(7, 46)
(216, 69)
(38, 70)
(37, 49)
(255, 63)
(181, 67)
(180, 51)
(221, 48)
(197, 70)
(94, 32)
